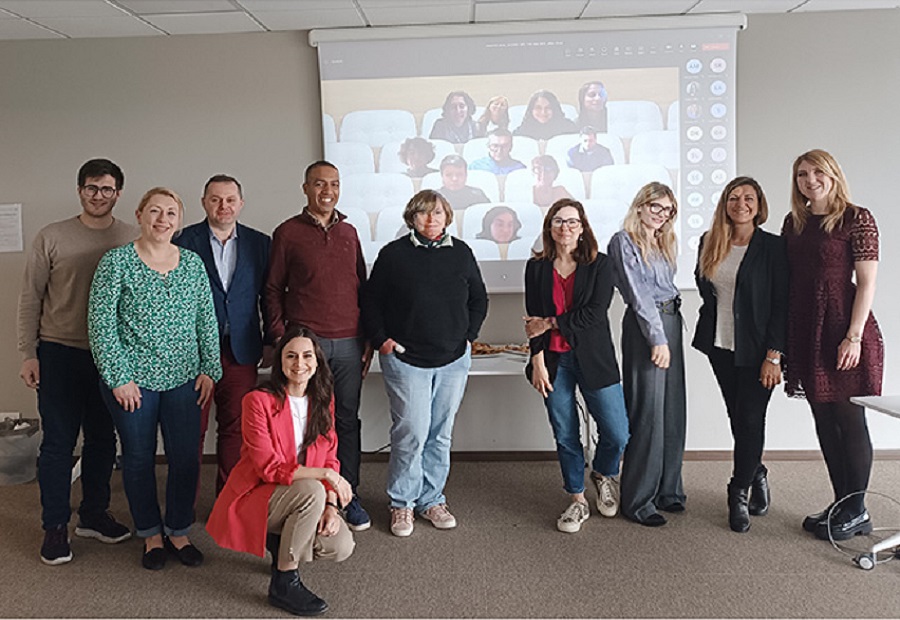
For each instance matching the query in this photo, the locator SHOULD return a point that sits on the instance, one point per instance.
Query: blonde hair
(838, 197)
(663, 242)
(160, 191)
(717, 242)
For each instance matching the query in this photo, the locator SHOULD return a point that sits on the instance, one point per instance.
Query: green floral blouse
(159, 331)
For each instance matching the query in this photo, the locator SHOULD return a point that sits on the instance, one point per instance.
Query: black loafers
(189, 555)
(654, 520)
(154, 559)
(811, 521)
(845, 526)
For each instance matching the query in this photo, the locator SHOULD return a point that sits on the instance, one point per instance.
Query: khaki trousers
(294, 513)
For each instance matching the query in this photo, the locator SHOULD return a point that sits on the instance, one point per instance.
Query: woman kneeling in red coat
(273, 502)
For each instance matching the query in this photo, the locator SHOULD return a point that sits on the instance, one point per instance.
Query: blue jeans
(177, 413)
(344, 356)
(69, 402)
(423, 406)
(606, 406)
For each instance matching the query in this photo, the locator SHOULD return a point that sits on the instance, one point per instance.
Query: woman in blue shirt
(643, 256)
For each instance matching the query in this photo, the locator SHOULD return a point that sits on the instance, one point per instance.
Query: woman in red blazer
(273, 502)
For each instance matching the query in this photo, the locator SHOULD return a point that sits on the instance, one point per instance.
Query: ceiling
(55, 19)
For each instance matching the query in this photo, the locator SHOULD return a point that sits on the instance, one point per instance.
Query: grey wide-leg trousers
(656, 403)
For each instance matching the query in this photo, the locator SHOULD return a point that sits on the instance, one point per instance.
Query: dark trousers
(746, 401)
(69, 402)
(237, 380)
(177, 414)
(657, 417)
(844, 439)
(344, 357)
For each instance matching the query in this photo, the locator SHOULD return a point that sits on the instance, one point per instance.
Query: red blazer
(268, 458)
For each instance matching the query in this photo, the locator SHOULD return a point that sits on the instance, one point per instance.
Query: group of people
(103, 302)
(796, 306)
(543, 118)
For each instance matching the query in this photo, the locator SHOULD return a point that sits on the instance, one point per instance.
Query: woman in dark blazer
(568, 289)
(742, 278)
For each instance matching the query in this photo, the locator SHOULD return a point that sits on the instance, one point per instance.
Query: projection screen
(589, 114)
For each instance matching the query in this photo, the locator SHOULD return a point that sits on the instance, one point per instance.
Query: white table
(888, 405)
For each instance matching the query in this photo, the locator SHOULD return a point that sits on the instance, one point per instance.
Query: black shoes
(812, 521)
(673, 507)
(844, 526)
(654, 520)
(56, 548)
(189, 555)
(103, 527)
(760, 496)
(154, 559)
(287, 592)
(738, 512)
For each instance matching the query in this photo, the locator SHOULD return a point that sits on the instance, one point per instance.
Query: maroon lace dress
(820, 304)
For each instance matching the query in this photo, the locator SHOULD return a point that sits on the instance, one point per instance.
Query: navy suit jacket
(241, 305)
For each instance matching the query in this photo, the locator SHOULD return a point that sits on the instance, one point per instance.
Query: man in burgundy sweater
(316, 270)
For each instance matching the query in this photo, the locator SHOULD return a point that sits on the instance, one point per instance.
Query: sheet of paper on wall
(11, 228)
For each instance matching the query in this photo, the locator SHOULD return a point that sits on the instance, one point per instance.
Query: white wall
(175, 110)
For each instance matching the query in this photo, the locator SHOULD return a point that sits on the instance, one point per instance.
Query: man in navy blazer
(236, 258)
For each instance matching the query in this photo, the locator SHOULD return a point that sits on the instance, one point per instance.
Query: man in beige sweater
(57, 362)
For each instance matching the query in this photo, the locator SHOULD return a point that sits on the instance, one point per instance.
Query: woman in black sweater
(422, 308)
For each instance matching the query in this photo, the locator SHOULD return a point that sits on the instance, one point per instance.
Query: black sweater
(432, 301)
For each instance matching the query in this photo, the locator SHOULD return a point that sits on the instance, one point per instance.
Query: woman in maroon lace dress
(834, 348)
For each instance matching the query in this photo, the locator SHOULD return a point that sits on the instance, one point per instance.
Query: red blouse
(563, 290)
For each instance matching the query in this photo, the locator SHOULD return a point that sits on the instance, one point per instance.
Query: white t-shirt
(299, 407)
(724, 282)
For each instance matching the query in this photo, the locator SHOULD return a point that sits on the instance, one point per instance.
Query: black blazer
(240, 306)
(585, 326)
(760, 302)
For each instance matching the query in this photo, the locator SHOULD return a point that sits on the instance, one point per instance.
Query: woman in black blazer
(568, 289)
(742, 278)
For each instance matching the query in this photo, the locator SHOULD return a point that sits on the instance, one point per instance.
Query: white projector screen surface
(669, 116)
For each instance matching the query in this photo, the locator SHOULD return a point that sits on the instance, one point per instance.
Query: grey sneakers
(607, 494)
(571, 519)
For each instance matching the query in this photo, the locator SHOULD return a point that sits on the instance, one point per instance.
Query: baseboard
(546, 455)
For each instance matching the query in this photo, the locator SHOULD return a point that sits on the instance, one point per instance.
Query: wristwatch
(775, 361)
(853, 339)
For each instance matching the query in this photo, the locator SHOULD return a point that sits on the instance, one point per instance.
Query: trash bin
(19, 443)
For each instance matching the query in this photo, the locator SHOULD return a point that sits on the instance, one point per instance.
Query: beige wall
(175, 110)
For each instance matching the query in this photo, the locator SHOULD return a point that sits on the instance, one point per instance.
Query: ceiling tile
(444, 14)
(847, 5)
(295, 5)
(20, 29)
(204, 23)
(55, 8)
(365, 4)
(744, 6)
(306, 19)
(143, 7)
(85, 27)
(617, 8)
(536, 10)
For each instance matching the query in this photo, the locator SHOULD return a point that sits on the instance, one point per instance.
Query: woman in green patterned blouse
(154, 337)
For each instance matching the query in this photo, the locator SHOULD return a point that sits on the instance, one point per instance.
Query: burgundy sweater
(314, 278)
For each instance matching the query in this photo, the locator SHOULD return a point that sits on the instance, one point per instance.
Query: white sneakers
(402, 519)
(571, 519)
(607, 494)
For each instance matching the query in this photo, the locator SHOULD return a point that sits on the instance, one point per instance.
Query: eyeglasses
(106, 191)
(656, 208)
(558, 222)
(499, 146)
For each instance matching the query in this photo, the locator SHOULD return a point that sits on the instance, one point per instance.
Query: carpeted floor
(505, 559)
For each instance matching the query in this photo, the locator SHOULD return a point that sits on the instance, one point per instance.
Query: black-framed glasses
(106, 191)
(571, 223)
(656, 208)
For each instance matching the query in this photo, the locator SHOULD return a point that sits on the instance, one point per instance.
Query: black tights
(844, 439)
